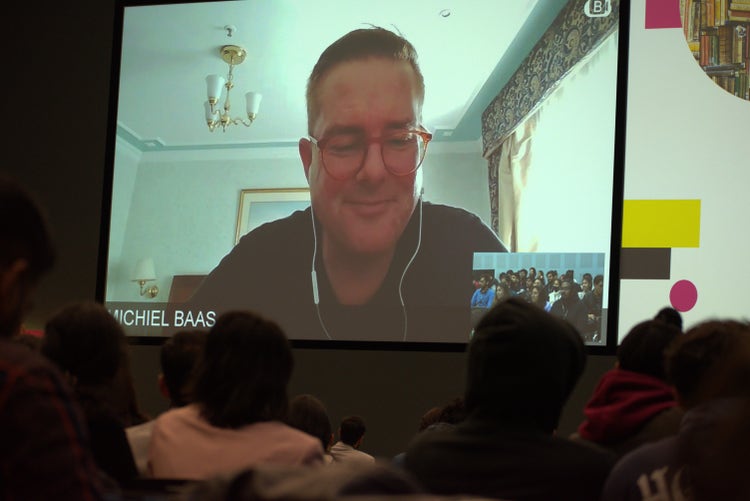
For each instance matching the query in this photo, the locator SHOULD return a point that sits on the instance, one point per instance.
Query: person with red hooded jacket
(633, 403)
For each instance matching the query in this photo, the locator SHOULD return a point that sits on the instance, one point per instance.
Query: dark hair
(505, 293)
(243, 376)
(523, 363)
(307, 413)
(179, 357)
(358, 45)
(85, 340)
(352, 428)
(711, 360)
(670, 316)
(23, 236)
(642, 349)
(543, 295)
(588, 276)
(23, 230)
(599, 279)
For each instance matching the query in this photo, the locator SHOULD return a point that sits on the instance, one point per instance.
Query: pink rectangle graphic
(663, 14)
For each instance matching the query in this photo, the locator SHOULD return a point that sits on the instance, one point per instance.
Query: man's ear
(305, 154)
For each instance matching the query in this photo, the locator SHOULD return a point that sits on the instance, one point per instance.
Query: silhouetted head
(642, 349)
(351, 430)
(523, 363)
(670, 316)
(84, 340)
(244, 373)
(179, 357)
(26, 253)
(307, 413)
(710, 361)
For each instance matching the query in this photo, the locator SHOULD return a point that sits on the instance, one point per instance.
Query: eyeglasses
(343, 153)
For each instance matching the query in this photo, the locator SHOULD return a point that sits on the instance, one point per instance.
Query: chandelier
(221, 116)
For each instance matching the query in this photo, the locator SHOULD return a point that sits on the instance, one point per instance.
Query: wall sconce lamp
(144, 272)
(215, 117)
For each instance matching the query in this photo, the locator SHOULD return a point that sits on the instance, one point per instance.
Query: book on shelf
(739, 6)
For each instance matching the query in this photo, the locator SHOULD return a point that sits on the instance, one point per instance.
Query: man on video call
(378, 263)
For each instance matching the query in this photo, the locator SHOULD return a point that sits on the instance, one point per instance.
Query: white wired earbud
(314, 275)
(406, 268)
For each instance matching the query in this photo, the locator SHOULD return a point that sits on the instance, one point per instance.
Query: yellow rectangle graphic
(661, 223)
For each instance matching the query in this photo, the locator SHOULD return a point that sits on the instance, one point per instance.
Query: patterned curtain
(569, 39)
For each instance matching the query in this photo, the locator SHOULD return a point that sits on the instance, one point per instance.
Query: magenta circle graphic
(683, 295)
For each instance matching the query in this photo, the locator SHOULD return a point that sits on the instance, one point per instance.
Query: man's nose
(373, 165)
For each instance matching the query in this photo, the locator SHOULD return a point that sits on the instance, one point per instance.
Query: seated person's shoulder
(448, 213)
(23, 361)
(648, 458)
(461, 225)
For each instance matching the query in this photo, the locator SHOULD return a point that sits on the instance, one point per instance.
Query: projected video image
(337, 167)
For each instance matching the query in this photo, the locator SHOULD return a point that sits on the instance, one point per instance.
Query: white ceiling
(167, 51)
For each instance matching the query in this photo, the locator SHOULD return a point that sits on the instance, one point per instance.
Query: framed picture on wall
(264, 205)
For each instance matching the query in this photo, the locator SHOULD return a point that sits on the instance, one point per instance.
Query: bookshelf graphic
(718, 34)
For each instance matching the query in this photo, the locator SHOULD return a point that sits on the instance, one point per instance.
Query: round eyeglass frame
(322, 142)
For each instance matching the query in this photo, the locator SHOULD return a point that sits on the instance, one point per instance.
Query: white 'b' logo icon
(597, 8)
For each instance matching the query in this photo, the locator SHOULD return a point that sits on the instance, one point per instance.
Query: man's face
(586, 285)
(367, 213)
(566, 289)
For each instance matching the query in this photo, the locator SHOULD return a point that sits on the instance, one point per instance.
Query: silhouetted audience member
(717, 454)
(670, 316)
(586, 284)
(570, 307)
(593, 304)
(351, 433)
(540, 297)
(522, 365)
(436, 419)
(239, 405)
(710, 369)
(87, 344)
(633, 404)
(44, 446)
(309, 414)
(178, 358)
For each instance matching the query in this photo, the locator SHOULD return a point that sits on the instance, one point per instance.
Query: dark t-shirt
(269, 272)
(486, 458)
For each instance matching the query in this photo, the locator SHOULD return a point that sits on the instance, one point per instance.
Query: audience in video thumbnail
(580, 303)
